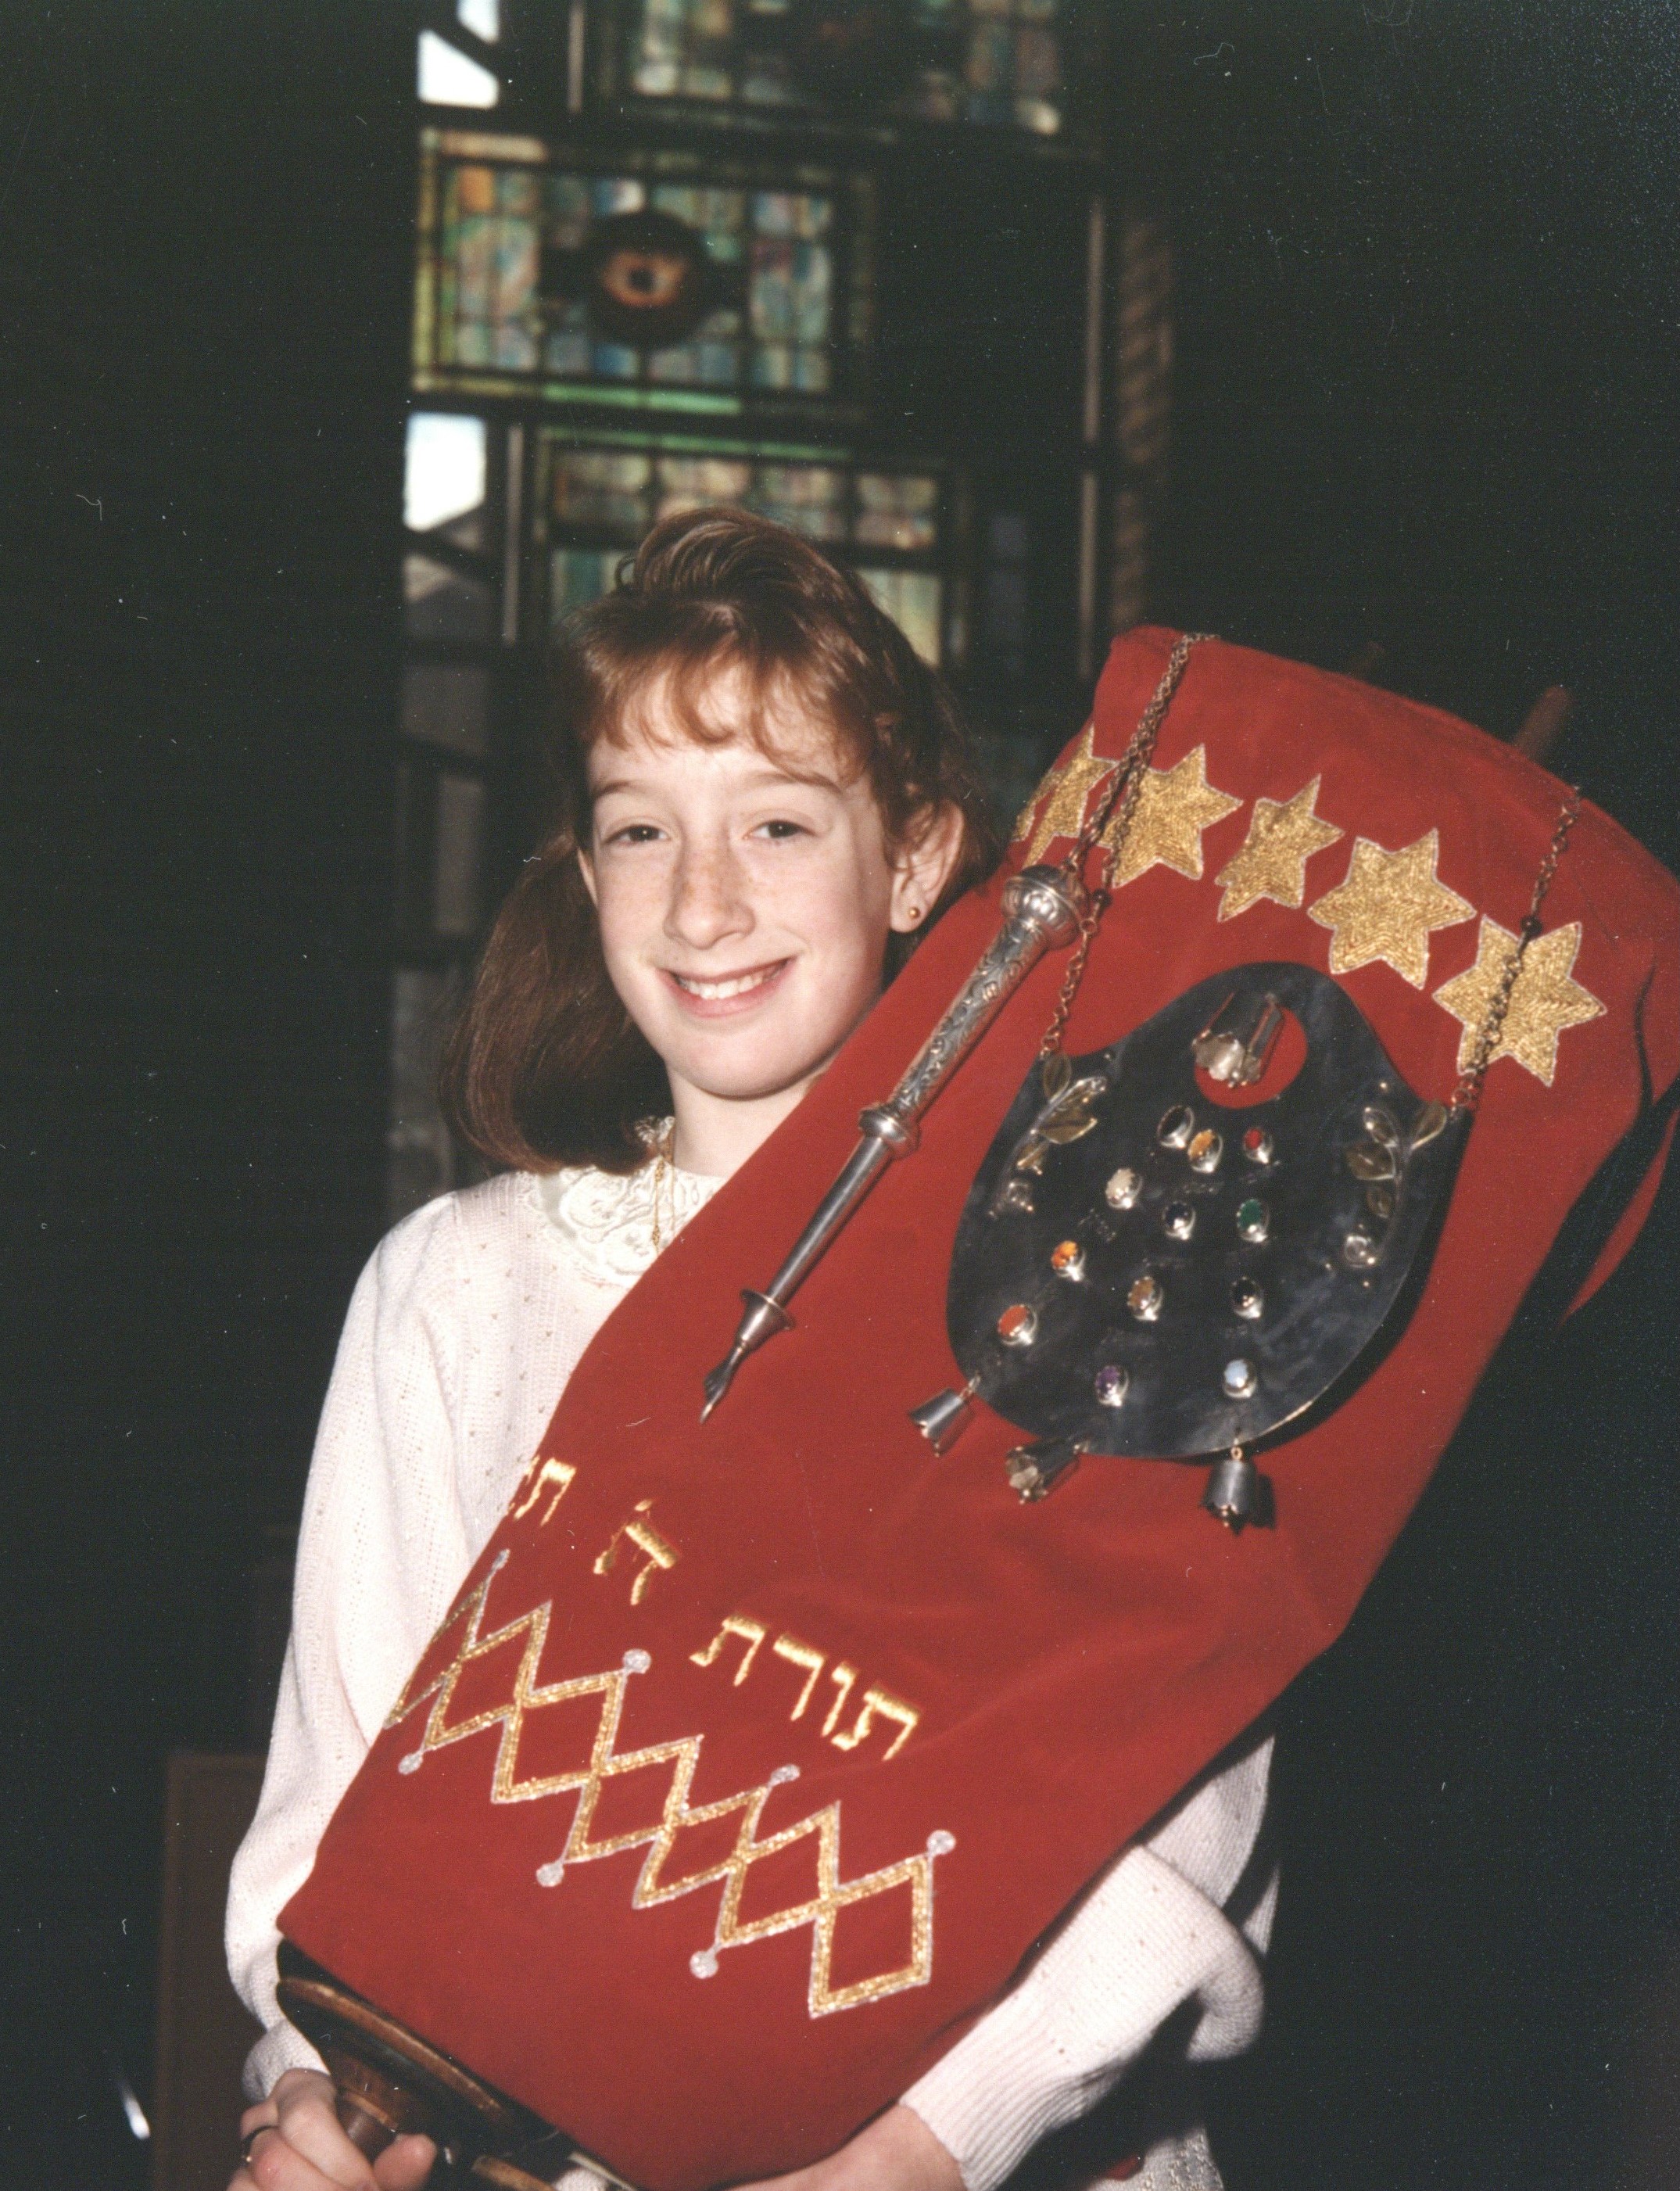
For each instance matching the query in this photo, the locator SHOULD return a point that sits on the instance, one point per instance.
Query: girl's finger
(310, 2153)
(405, 2164)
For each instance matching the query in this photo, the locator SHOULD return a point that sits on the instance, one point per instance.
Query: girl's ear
(924, 865)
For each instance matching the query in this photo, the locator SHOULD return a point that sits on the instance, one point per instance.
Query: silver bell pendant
(1233, 1493)
(943, 1420)
(1035, 1470)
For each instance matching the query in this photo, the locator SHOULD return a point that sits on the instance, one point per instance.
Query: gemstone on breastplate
(1239, 1379)
(1206, 1150)
(1018, 1326)
(1179, 1219)
(1176, 1127)
(1254, 1219)
(1144, 1298)
(1067, 1259)
(1259, 1146)
(1123, 1188)
(1110, 1384)
(1247, 1300)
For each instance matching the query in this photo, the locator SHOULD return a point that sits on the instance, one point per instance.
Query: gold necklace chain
(1125, 789)
(1468, 1093)
(663, 1180)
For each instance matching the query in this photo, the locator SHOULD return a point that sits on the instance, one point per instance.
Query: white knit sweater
(461, 1333)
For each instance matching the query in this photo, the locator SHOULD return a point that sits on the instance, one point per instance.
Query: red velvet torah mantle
(755, 1756)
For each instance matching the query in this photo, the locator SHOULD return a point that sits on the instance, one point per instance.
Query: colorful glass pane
(992, 62)
(897, 512)
(689, 483)
(506, 278)
(491, 247)
(913, 599)
(621, 492)
(809, 499)
(578, 576)
(603, 489)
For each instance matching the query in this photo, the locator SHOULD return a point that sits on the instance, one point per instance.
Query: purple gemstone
(1110, 1384)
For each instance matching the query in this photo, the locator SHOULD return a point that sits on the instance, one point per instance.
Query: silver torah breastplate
(1144, 1271)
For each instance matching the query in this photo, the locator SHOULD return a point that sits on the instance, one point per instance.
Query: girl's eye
(779, 832)
(634, 833)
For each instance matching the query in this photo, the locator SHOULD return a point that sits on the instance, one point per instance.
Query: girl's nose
(708, 902)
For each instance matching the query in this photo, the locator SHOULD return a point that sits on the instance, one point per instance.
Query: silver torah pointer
(1043, 909)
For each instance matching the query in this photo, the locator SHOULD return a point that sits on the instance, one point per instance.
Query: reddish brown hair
(545, 1066)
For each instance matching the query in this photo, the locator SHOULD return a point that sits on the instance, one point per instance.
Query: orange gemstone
(1018, 1326)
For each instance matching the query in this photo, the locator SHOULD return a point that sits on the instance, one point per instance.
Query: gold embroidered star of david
(1174, 807)
(1389, 906)
(1544, 1000)
(1068, 787)
(1282, 836)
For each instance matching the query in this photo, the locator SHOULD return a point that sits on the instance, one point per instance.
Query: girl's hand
(305, 2147)
(897, 2152)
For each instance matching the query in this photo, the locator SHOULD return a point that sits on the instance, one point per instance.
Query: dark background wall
(1426, 314)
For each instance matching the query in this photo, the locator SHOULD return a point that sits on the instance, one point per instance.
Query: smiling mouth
(737, 990)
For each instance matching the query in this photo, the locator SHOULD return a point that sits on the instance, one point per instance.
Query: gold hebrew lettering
(845, 1678)
(657, 1551)
(879, 1703)
(751, 1633)
(796, 1653)
(542, 1472)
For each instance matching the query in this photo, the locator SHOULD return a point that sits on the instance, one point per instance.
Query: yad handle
(1042, 911)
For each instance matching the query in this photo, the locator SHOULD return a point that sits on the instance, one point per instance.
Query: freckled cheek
(853, 929)
(632, 913)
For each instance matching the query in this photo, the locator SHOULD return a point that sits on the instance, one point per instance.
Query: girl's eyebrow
(760, 779)
(771, 776)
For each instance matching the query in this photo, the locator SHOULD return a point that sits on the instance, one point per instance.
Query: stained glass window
(602, 498)
(524, 288)
(1002, 63)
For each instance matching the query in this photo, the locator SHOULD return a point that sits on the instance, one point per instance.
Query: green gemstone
(1253, 1220)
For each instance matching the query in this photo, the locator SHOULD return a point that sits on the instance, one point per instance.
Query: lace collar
(604, 1220)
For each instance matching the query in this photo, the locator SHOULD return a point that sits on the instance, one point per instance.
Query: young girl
(765, 797)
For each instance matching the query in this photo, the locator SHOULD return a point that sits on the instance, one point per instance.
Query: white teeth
(715, 991)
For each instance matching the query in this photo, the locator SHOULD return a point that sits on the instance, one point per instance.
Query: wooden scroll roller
(392, 2084)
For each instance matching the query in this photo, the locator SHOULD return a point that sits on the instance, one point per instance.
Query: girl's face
(745, 898)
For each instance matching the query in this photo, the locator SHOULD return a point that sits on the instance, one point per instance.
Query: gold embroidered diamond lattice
(659, 1879)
